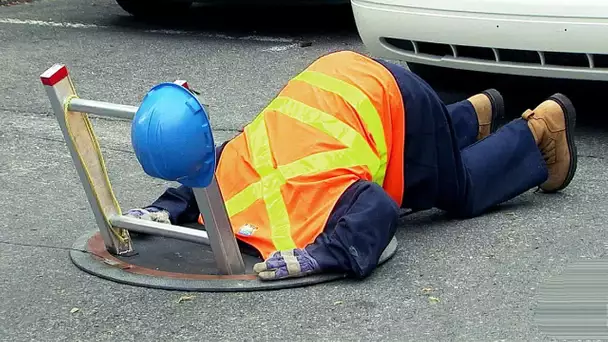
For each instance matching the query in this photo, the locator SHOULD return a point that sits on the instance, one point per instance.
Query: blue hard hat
(172, 138)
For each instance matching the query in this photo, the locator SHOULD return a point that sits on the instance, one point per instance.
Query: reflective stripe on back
(356, 153)
(362, 104)
(270, 184)
(315, 163)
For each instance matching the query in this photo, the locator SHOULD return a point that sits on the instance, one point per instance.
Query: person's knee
(464, 213)
(463, 207)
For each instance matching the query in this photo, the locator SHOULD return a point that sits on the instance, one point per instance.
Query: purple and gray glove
(291, 263)
(150, 214)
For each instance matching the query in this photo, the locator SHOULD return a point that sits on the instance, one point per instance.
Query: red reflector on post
(182, 83)
(54, 74)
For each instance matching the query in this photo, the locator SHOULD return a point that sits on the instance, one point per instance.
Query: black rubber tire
(154, 8)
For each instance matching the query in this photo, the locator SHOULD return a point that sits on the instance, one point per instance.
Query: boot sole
(498, 107)
(570, 118)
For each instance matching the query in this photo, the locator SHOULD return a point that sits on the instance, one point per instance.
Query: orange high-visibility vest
(339, 121)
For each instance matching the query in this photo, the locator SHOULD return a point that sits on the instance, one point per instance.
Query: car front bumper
(566, 42)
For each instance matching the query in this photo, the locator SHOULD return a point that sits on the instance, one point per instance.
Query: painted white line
(224, 36)
(47, 23)
(162, 31)
(279, 48)
(268, 39)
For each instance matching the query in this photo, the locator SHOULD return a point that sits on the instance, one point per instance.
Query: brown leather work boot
(489, 105)
(552, 124)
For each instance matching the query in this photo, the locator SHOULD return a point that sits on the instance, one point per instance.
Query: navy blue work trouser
(447, 168)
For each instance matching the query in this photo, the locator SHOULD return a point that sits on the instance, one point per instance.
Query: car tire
(154, 8)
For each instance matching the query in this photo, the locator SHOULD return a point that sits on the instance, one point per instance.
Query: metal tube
(102, 108)
(89, 165)
(221, 237)
(160, 229)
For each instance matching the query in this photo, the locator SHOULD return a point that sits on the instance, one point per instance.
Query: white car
(544, 38)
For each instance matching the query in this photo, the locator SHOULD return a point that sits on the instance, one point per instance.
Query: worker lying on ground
(315, 182)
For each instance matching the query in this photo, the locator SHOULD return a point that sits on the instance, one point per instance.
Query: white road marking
(268, 39)
(47, 23)
(277, 48)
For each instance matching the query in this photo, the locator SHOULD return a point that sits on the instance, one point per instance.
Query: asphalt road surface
(472, 280)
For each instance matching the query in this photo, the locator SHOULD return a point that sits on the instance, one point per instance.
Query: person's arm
(360, 227)
(180, 202)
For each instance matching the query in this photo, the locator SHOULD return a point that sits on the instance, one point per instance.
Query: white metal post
(217, 223)
(87, 158)
(102, 108)
(219, 230)
(160, 229)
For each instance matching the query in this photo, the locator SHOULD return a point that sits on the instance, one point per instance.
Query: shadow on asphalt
(520, 93)
(286, 21)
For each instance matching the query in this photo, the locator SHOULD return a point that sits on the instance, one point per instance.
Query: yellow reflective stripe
(259, 146)
(362, 104)
(329, 125)
(244, 199)
(271, 182)
(357, 153)
(270, 188)
(319, 162)
(316, 163)
(277, 212)
(322, 121)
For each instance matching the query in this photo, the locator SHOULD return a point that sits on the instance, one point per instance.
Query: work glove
(150, 214)
(291, 263)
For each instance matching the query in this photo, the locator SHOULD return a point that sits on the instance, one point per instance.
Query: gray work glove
(150, 214)
(287, 264)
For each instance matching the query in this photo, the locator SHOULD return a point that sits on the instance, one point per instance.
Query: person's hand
(287, 264)
(150, 214)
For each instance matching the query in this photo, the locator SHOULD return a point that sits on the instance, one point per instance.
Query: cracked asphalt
(485, 273)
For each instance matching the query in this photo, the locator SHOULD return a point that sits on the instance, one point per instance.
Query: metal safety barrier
(72, 114)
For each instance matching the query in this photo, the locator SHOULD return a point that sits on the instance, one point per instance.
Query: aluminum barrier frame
(72, 114)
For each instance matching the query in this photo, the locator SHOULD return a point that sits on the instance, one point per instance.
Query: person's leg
(465, 123)
(475, 118)
(535, 150)
(509, 162)
(490, 171)
(494, 170)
